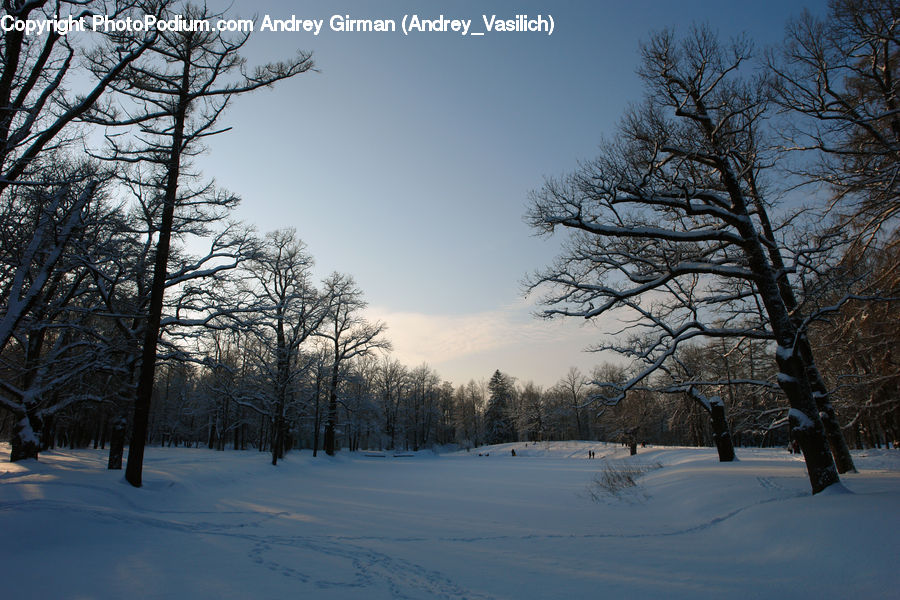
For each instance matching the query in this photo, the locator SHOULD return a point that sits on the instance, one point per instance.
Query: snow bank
(457, 525)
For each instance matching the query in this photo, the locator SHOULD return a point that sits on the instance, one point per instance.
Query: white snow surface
(227, 524)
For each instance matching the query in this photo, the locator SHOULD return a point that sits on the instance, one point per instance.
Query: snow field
(229, 525)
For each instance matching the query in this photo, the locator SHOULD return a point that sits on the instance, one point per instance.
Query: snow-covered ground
(228, 525)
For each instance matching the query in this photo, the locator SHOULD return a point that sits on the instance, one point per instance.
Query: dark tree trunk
(317, 418)
(281, 385)
(25, 442)
(117, 443)
(806, 426)
(261, 438)
(577, 418)
(839, 449)
(48, 434)
(836, 441)
(26, 439)
(277, 441)
(134, 469)
(721, 434)
(331, 416)
(393, 433)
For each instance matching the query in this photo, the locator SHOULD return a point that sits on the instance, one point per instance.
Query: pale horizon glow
(463, 347)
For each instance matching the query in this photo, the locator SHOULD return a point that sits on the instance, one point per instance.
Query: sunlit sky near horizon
(406, 161)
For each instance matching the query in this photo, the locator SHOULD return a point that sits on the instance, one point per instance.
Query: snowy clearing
(212, 524)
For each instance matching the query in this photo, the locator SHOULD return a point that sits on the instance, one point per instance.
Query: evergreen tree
(498, 426)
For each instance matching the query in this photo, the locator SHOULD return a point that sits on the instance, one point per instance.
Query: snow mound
(456, 525)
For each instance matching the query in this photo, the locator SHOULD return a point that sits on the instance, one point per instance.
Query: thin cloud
(442, 339)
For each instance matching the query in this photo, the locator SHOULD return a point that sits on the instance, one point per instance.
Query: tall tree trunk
(806, 426)
(117, 443)
(577, 417)
(134, 469)
(836, 441)
(839, 449)
(317, 418)
(281, 383)
(48, 432)
(25, 441)
(721, 433)
(277, 433)
(331, 415)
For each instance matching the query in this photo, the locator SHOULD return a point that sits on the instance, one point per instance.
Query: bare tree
(349, 335)
(533, 420)
(445, 433)
(199, 292)
(35, 109)
(838, 79)
(174, 96)
(322, 364)
(36, 114)
(288, 311)
(858, 345)
(46, 316)
(839, 74)
(360, 405)
(390, 379)
(669, 227)
(469, 413)
(573, 387)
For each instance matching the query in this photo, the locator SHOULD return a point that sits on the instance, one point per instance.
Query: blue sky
(407, 161)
